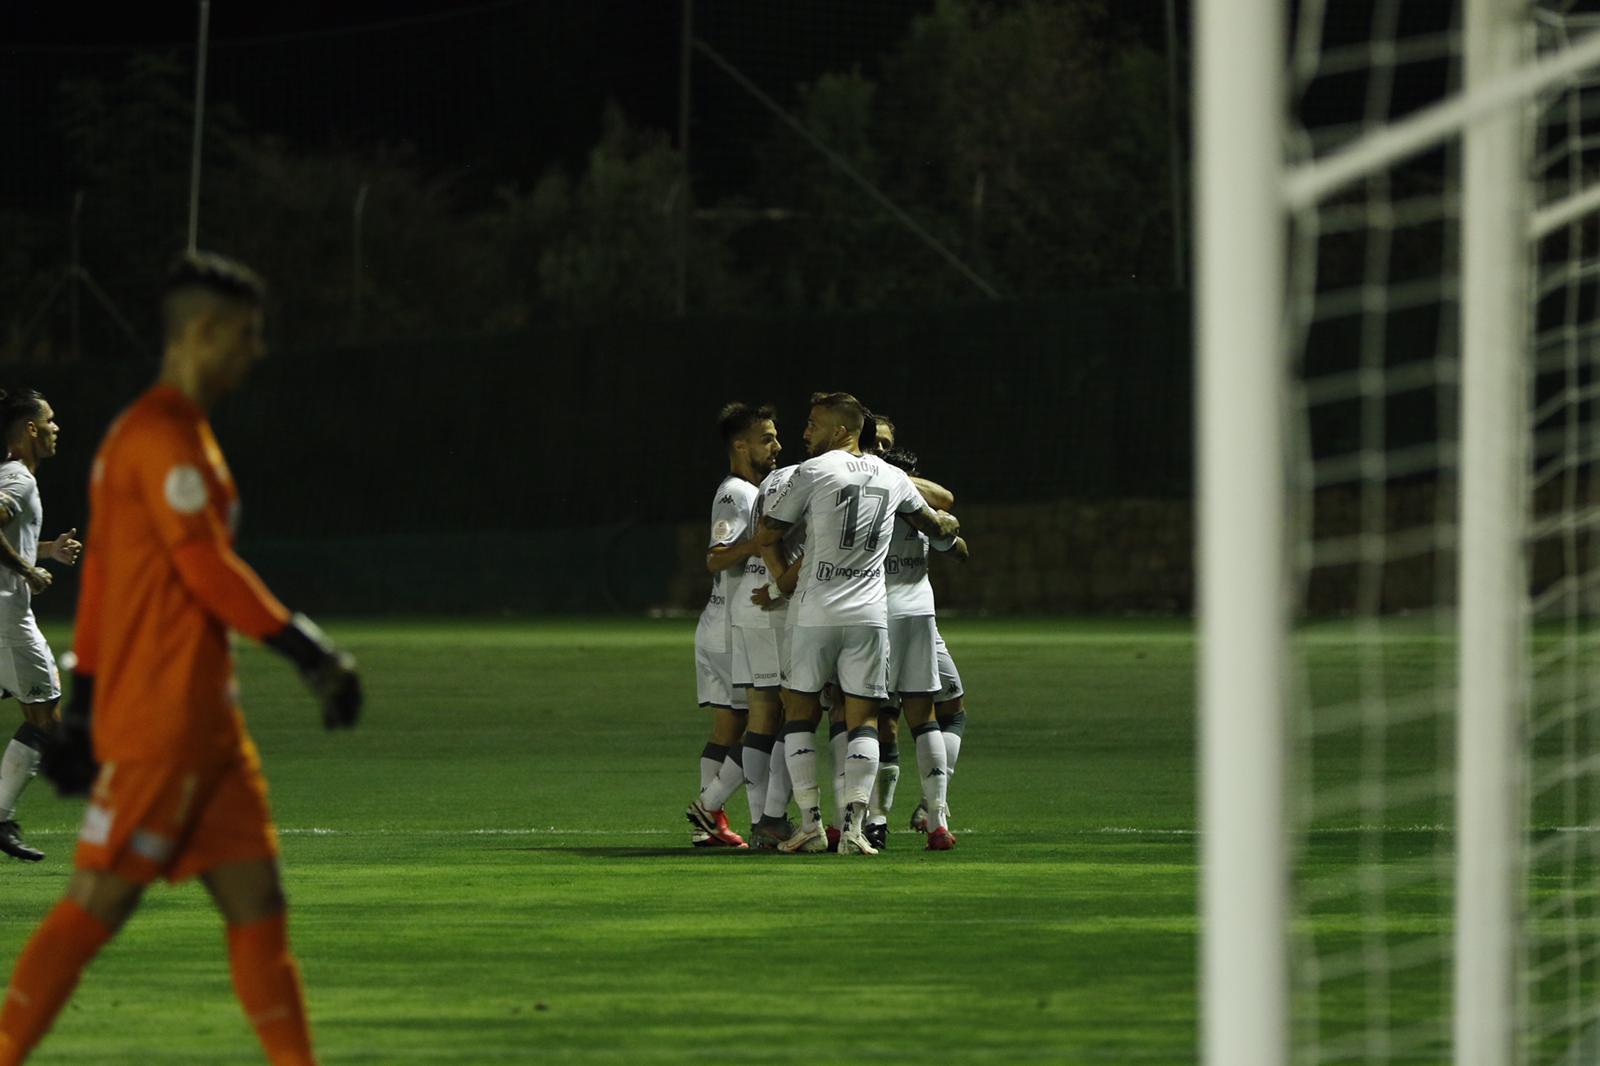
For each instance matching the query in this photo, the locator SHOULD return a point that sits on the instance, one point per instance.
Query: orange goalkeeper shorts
(159, 819)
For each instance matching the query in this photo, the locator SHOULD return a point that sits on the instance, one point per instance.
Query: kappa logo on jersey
(827, 572)
(726, 499)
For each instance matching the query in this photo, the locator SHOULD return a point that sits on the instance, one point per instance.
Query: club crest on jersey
(722, 529)
(185, 489)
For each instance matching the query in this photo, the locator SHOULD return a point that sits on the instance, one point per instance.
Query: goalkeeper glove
(69, 757)
(327, 671)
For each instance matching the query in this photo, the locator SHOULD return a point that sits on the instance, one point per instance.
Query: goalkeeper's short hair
(196, 280)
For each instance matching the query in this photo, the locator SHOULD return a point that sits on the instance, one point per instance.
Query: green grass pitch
(495, 868)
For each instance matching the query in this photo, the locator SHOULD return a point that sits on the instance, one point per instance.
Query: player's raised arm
(771, 531)
(933, 523)
(727, 556)
(933, 494)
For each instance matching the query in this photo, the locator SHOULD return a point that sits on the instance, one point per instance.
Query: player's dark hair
(194, 274)
(900, 457)
(18, 405)
(880, 419)
(852, 413)
(735, 419)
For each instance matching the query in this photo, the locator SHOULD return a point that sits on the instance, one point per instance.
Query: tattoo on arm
(925, 521)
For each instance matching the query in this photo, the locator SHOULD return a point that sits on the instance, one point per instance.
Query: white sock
(17, 768)
(757, 768)
(883, 793)
(935, 773)
(712, 756)
(838, 743)
(952, 749)
(952, 726)
(860, 765)
(800, 756)
(727, 782)
(777, 805)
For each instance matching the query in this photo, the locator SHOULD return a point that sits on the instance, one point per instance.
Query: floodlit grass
(495, 868)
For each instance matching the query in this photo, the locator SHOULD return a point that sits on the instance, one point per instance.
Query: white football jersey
(21, 494)
(730, 523)
(905, 572)
(754, 574)
(848, 503)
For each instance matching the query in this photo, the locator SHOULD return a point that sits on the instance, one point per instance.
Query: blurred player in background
(27, 666)
(750, 439)
(849, 501)
(178, 790)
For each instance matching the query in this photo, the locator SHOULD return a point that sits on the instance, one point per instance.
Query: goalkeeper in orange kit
(152, 728)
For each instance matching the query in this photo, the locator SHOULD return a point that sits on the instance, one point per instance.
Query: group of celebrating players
(820, 601)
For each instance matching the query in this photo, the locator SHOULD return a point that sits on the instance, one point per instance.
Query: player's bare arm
(933, 494)
(933, 523)
(785, 578)
(37, 577)
(771, 531)
(727, 556)
(66, 548)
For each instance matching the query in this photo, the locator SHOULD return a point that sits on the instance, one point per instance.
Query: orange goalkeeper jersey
(159, 652)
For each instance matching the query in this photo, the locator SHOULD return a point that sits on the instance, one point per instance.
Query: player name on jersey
(848, 503)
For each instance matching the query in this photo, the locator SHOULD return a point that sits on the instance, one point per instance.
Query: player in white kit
(914, 667)
(760, 663)
(840, 626)
(938, 497)
(751, 440)
(27, 667)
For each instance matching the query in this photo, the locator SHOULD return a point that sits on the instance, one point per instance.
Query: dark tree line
(1029, 140)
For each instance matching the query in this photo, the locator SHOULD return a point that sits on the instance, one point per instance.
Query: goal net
(1400, 687)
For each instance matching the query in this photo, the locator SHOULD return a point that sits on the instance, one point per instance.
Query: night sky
(490, 92)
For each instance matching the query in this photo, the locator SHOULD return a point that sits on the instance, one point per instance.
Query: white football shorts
(857, 655)
(760, 656)
(949, 677)
(713, 678)
(28, 671)
(913, 655)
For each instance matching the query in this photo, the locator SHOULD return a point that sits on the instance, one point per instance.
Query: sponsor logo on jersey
(827, 572)
(726, 499)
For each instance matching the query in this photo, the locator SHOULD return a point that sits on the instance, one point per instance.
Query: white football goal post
(1398, 382)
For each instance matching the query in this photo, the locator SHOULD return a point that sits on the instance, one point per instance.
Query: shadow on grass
(646, 853)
